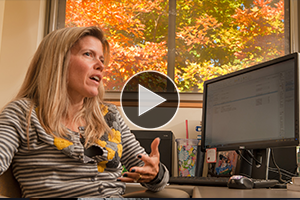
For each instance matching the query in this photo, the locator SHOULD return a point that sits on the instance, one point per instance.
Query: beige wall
(2, 5)
(21, 29)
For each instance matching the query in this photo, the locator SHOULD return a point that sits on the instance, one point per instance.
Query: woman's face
(85, 68)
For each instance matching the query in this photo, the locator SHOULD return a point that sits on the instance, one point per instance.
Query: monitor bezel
(260, 144)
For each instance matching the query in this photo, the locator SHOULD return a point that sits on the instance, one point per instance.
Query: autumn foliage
(213, 37)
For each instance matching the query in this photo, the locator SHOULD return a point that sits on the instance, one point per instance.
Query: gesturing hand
(150, 169)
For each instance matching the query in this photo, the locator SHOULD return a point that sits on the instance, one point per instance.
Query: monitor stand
(268, 152)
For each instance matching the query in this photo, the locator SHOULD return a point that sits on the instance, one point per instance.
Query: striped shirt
(62, 168)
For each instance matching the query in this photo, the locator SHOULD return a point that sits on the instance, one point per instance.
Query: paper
(211, 155)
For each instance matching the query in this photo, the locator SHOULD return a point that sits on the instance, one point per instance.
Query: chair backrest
(9, 186)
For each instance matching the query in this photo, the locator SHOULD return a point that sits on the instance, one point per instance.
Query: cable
(240, 154)
(285, 172)
(288, 176)
(281, 172)
(253, 157)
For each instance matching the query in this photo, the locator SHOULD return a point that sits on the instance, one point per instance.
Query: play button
(149, 99)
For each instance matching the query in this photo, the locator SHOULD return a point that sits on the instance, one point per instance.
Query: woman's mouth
(95, 78)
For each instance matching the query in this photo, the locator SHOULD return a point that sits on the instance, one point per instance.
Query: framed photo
(226, 163)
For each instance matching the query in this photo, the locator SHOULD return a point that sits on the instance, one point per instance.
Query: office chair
(9, 187)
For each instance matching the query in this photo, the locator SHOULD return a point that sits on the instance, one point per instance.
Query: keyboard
(204, 181)
(262, 183)
(218, 181)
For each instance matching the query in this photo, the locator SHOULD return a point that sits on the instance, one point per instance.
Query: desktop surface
(224, 192)
(235, 182)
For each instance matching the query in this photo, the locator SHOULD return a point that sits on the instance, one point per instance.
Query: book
(293, 187)
(296, 180)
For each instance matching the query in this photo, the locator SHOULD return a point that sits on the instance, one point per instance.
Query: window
(191, 41)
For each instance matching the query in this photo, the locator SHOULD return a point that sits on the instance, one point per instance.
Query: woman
(59, 135)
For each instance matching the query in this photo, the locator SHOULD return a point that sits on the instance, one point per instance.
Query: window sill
(181, 105)
(187, 100)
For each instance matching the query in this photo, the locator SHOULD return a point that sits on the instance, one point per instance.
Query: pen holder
(187, 156)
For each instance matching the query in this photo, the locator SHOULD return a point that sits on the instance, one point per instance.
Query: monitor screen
(253, 108)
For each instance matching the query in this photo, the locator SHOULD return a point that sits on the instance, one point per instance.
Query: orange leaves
(119, 20)
(260, 26)
(196, 34)
(106, 14)
(213, 37)
(260, 15)
(132, 59)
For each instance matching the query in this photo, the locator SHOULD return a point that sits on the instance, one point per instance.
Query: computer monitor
(254, 108)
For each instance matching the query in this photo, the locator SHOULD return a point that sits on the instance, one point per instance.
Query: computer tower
(165, 147)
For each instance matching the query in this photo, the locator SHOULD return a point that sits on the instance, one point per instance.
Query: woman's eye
(87, 54)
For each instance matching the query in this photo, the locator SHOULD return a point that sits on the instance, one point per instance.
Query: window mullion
(171, 40)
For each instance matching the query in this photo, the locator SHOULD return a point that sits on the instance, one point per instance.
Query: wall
(177, 124)
(21, 30)
(2, 5)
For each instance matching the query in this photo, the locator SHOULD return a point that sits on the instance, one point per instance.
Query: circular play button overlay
(150, 99)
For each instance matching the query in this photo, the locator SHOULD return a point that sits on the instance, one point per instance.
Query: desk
(224, 192)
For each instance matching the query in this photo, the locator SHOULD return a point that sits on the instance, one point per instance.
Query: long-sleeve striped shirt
(62, 167)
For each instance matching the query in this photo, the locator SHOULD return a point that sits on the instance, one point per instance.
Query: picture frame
(226, 163)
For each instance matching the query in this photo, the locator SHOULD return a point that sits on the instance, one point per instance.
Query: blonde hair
(45, 84)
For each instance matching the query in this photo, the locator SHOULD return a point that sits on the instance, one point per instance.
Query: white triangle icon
(148, 100)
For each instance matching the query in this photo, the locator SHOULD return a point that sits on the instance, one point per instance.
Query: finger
(145, 173)
(127, 180)
(141, 170)
(139, 175)
(139, 179)
(149, 171)
(154, 147)
(131, 176)
(149, 162)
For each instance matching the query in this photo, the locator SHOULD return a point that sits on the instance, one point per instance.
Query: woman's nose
(99, 65)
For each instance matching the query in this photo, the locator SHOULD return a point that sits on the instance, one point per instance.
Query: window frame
(55, 19)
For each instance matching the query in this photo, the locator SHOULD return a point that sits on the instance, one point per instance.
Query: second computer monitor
(253, 109)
